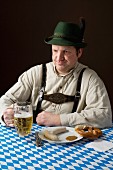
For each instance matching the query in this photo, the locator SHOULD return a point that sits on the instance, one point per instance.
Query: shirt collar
(72, 70)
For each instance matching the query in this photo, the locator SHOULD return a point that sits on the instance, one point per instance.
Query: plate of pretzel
(62, 134)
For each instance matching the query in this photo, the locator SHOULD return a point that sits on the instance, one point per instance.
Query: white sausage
(50, 135)
(58, 130)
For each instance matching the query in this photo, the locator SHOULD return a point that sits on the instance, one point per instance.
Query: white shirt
(94, 105)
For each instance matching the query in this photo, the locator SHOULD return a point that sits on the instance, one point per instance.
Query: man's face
(65, 57)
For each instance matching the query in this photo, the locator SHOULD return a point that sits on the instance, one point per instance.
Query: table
(21, 153)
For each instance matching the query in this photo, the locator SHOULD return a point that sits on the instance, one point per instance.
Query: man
(57, 96)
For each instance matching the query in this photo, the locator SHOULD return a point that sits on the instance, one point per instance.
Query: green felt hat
(68, 34)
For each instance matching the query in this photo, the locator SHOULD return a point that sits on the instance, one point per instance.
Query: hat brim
(64, 42)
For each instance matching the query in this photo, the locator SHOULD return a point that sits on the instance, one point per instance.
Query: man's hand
(8, 117)
(48, 119)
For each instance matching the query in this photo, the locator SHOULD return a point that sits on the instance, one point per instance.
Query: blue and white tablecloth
(21, 153)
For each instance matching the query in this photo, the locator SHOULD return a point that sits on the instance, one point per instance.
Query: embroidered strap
(77, 95)
(58, 98)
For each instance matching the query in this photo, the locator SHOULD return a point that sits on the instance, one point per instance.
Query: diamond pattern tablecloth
(21, 153)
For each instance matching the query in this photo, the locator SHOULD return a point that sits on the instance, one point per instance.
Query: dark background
(25, 23)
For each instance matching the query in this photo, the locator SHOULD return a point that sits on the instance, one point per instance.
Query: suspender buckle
(41, 94)
(77, 95)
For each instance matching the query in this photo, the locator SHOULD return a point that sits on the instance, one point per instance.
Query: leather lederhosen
(57, 98)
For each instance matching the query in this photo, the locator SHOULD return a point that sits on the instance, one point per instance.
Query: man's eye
(67, 52)
(55, 51)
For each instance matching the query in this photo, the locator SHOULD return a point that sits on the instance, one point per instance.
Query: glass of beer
(23, 118)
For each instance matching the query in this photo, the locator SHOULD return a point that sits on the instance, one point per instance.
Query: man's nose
(60, 56)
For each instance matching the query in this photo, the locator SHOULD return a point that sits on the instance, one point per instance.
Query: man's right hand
(8, 117)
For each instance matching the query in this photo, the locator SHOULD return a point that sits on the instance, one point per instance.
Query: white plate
(62, 137)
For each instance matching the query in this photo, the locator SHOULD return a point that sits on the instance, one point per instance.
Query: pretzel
(88, 131)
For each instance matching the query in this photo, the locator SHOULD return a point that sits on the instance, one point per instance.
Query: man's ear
(80, 51)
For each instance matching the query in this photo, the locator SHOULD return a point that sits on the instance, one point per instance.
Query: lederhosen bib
(57, 98)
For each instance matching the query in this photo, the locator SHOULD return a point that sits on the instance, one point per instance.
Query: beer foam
(22, 115)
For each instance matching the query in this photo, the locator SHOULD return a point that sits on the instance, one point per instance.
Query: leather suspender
(41, 93)
(77, 95)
